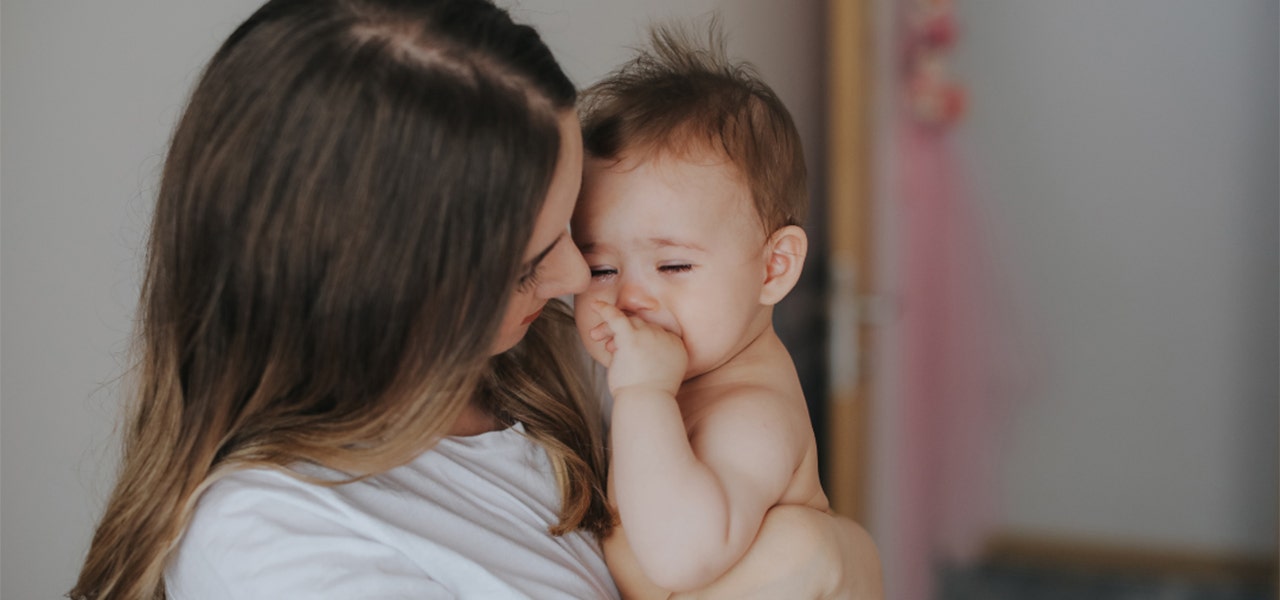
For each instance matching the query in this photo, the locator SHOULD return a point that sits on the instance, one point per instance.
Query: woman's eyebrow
(533, 262)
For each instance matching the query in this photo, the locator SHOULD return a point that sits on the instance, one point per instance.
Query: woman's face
(552, 264)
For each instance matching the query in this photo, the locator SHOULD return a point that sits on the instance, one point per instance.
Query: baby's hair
(682, 97)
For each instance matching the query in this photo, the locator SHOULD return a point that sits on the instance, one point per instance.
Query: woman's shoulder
(251, 494)
(257, 511)
(264, 533)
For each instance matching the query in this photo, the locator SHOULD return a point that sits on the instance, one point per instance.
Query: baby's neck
(763, 361)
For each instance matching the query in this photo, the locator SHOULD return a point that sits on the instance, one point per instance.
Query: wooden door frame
(850, 64)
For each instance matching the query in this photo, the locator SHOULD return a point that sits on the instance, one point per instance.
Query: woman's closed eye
(676, 268)
(529, 280)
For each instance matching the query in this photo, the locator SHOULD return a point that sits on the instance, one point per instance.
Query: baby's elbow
(682, 578)
(683, 570)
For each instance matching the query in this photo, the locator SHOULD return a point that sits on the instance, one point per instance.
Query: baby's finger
(617, 322)
(599, 332)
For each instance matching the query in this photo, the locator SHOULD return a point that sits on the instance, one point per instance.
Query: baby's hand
(641, 354)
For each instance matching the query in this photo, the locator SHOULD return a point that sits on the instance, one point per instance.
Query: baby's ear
(785, 251)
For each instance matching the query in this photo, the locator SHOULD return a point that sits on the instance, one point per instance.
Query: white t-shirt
(467, 519)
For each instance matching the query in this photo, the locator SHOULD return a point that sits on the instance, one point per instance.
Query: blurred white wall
(1124, 155)
(91, 90)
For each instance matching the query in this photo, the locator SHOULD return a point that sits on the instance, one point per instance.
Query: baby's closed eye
(598, 272)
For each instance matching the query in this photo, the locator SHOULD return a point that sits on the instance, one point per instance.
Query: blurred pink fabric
(954, 364)
(949, 409)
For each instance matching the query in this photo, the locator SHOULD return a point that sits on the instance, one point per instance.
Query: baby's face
(678, 244)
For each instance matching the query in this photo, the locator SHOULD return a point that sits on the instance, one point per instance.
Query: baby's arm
(691, 507)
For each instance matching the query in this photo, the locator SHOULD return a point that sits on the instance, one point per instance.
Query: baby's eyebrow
(655, 242)
(669, 243)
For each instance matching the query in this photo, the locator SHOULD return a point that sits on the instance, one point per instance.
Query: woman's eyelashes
(529, 280)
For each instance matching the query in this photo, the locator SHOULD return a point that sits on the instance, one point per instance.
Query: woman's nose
(567, 273)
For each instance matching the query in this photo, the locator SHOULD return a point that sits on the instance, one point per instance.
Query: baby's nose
(634, 298)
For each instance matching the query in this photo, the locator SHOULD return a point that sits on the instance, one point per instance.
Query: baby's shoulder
(754, 409)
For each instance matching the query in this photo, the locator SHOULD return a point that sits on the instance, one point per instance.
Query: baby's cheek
(596, 350)
(585, 320)
(582, 320)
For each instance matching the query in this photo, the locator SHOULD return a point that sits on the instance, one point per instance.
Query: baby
(689, 217)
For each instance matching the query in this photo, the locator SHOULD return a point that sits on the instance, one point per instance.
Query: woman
(354, 380)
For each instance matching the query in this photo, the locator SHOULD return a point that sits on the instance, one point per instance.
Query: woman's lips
(531, 318)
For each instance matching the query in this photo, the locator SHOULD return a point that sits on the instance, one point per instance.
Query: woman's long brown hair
(340, 222)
